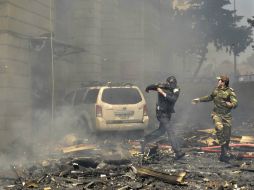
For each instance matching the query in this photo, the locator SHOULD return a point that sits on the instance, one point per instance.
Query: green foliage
(251, 21)
(208, 21)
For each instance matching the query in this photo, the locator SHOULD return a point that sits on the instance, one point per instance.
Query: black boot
(153, 151)
(227, 146)
(224, 157)
(179, 155)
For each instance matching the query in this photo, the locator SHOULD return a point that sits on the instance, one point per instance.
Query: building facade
(20, 21)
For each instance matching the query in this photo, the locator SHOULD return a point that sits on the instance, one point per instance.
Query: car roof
(92, 85)
(104, 87)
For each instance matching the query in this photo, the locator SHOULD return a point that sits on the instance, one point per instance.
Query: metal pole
(52, 66)
(235, 77)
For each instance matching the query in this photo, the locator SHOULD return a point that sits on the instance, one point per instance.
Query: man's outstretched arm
(203, 99)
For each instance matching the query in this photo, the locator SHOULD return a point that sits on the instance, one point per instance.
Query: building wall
(152, 30)
(119, 37)
(123, 35)
(78, 22)
(122, 41)
(19, 21)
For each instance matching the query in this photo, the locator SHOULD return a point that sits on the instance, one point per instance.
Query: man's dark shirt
(166, 104)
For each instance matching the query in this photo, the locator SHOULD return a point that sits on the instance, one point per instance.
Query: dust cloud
(123, 40)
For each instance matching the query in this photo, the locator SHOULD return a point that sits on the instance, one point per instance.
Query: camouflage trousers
(223, 125)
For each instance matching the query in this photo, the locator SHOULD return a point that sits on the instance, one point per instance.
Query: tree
(251, 22)
(208, 21)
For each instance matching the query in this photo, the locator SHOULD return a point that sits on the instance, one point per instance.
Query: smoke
(137, 43)
(126, 40)
(41, 139)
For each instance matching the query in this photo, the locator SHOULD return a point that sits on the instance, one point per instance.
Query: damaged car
(109, 107)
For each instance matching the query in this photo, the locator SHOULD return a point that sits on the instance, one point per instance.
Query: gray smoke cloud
(128, 40)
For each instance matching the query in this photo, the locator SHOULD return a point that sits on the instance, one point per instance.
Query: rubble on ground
(80, 164)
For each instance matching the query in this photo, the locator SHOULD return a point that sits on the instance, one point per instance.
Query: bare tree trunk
(201, 61)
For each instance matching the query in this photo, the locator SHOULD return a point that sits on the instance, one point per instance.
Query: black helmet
(172, 81)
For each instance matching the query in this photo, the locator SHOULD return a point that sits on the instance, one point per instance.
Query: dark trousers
(164, 126)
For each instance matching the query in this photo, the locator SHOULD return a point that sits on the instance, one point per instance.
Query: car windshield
(121, 96)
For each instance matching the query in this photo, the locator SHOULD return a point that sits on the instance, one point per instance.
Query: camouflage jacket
(220, 96)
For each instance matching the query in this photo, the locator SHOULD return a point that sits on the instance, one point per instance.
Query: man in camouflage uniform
(224, 99)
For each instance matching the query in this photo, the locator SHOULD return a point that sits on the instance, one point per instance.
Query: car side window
(79, 96)
(69, 97)
(91, 96)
